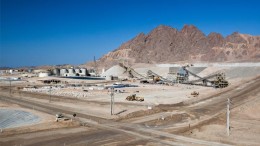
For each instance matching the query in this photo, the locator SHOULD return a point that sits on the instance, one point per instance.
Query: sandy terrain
(244, 122)
(46, 121)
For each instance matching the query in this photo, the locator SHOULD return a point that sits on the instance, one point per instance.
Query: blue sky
(41, 32)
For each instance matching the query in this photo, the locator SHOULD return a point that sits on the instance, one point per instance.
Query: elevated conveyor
(217, 80)
(132, 72)
(149, 73)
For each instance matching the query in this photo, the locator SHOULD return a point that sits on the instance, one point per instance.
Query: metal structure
(132, 73)
(182, 76)
(63, 71)
(71, 70)
(153, 74)
(83, 72)
(56, 72)
(216, 80)
(77, 71)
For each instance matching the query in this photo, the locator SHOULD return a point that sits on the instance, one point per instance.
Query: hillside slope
(167, 45)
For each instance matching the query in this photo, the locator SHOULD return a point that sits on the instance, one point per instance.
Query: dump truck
(133, 97)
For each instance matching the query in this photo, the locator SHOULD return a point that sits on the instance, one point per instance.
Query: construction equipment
(182, 76)
(133, 97)
(195, 94)
(157, 78)
(217, 80)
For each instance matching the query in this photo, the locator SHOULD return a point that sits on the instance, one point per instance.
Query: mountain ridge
(165, 44)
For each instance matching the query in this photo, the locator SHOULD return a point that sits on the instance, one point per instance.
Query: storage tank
(71, 71)
(63, 72)
(77, 71)
(83, 72)
(56, 72)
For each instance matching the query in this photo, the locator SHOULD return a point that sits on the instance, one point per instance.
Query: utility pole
(228, 112)
(10, 87)
(50, 93)
(112, 100)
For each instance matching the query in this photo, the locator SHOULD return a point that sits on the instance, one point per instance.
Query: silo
(56, 72)
(63, 72)
(83, 72)
(71, 71)
(77, 71)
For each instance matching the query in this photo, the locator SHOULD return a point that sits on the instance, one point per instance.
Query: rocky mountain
(168, 45)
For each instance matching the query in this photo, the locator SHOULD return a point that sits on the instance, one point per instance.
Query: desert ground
(169, 114)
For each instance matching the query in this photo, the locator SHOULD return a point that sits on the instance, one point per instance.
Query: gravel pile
(162, 71)
(196, 70)
(232, 72)
(114, 71)
(236, 72)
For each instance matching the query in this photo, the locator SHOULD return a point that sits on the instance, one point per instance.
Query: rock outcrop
(165, 44)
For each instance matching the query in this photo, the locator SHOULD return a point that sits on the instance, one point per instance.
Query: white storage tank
(71, 71)
(77, 71)
(63, 72)
(56, 72)
(83, 72)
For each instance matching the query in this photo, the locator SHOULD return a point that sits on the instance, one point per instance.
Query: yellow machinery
(133, 97)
